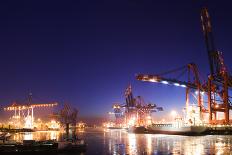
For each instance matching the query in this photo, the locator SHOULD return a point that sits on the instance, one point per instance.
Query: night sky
(86, 53)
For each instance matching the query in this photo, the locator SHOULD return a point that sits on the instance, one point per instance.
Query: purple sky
(87, 53)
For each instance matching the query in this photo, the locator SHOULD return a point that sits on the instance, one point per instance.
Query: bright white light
(176, 84)
(196, 92)
(148, 117)
(202, 93)
(132, 121)
(28, 122)
(164, 82)
(184, 86)
(54, 124)
(173, 113)
(153, 80)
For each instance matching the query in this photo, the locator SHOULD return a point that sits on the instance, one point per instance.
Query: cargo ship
(137, 129)
(176, 130)
(169, 129)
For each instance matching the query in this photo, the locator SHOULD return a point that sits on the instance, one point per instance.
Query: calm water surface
(104, 142)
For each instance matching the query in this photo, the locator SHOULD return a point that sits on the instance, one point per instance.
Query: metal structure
(219, 80)
(135, 111)
(118, 114)
(24, 113)
(218, 83)
(190, 80)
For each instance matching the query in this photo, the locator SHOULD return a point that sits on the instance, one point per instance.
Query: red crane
(192, 82)
(135, 111)
(218, 83)
(219, 79)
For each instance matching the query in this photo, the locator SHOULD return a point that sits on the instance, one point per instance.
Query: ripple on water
(120, 142)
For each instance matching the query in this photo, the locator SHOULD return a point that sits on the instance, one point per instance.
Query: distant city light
(132, 121)
(153, 80)
(176, 84)
(173, 113)
(184, 86)
(164, 82)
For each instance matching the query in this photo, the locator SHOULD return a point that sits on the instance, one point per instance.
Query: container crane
(118, 113)
(20, 111)
(219, 80)
(135, 111)
(191, 83)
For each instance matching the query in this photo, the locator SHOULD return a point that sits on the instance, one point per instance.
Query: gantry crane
(25, 111)
(219, 80)
(135, 111)
(118, 113)
(218, 83)
(192, 82)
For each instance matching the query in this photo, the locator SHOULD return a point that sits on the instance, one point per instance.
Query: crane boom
(216, 62)
(159, 79)
(209, 41)
(189, 84)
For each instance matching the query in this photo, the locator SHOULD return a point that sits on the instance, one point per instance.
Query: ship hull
(140, 129)
(185, 130)
(112, 128)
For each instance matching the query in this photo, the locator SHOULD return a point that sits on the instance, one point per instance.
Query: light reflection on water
(40, 135)
(120, 142)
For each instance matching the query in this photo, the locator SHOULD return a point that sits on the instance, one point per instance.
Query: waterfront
(104, 142)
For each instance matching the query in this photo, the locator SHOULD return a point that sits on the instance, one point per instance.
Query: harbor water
(113, 142)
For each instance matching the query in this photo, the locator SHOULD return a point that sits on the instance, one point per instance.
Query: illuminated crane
(192, 82)
(135, 111)
(218, 83)
(219, 79)
(25, 112)
(118, 113)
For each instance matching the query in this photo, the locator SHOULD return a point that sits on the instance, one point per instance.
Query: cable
(174, 70)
